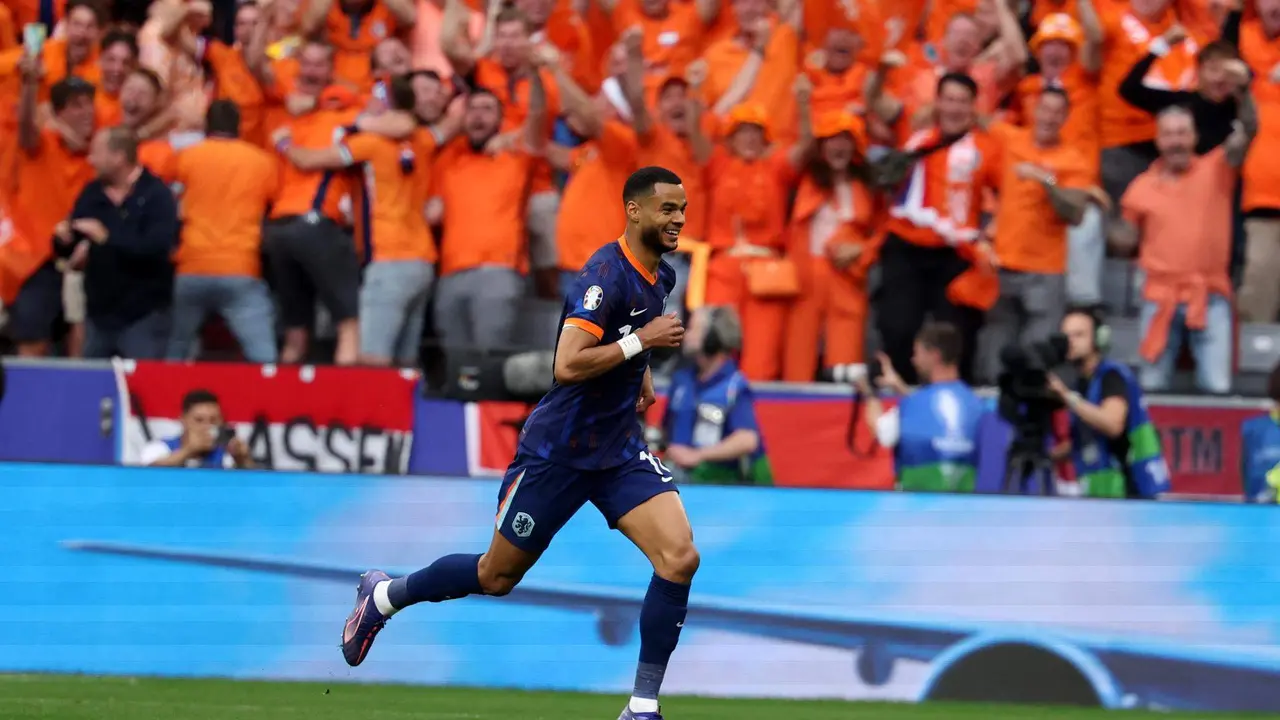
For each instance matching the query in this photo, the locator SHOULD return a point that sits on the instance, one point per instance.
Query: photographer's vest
(697, 415)
(937, 448)
(1101, 474)
(216, 459)
(1260, 457)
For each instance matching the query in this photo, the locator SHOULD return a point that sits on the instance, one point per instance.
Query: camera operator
(1260, 448)
(710, 422)
(205, 442)
(934, 429)
(1114, 447)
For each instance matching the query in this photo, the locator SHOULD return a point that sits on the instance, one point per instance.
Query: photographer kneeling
(1114, 447)
(934, 429)
(205, 442)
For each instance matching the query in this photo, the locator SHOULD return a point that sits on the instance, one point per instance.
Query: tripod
(1027, 463)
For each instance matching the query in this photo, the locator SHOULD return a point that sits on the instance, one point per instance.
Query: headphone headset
(712, 343)
(1101, 332)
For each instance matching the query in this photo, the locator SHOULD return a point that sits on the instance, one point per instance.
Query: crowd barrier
(365, 420)
(801, 593)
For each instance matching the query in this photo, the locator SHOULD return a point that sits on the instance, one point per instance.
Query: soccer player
(583, 442)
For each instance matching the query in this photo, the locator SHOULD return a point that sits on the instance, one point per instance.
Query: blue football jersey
(593, 425)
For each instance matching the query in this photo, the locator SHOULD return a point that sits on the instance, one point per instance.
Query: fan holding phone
(206, 440)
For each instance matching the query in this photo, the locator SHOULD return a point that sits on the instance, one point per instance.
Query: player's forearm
(588, 363)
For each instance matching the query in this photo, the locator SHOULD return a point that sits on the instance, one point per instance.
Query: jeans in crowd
(243, 302)
(1211, 348)
(143, 339)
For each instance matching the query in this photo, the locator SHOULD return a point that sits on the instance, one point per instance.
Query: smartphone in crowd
(33, 37)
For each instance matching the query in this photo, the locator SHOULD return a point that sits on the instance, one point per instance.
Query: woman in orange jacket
(832, 226)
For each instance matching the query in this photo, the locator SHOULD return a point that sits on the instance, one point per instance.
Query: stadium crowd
(851, 166)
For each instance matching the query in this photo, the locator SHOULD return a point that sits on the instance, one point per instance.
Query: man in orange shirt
(1044, 189)
(479, 198)
(225, 186)
(568, 34)
(397, 281)
(776, 40)
(354, 28)
(1259, 299)
(140, 104)
(1178, 213)
(931, 261)
(671, 32)
(228, 67)
(51, 174)
(118, 58)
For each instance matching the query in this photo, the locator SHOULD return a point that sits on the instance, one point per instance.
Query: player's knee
(497, 581)
(678, 563)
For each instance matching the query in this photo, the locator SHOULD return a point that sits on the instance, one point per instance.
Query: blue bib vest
(1099, 472)
(937, 447)
(215, 459)
(1260, 457)
(697, 416)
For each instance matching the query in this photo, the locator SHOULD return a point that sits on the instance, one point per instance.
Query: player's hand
(90, 228)
(646, 400)
(665, 331)
(683, 455)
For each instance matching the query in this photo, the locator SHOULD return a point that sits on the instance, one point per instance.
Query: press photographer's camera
(1025, 378)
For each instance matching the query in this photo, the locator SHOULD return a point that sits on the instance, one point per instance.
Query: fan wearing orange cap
(932, 261)
(1069, 54)
(832, 225)
(749, 181)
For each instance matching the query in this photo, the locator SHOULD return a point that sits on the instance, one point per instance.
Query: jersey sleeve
(357, 148)
(593, 300)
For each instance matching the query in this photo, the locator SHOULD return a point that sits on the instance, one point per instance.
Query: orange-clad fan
(863, 20)
(479, 198)
(833, 224)
(1045, 188)
(37, 11)
(775, 41)
(232, 78)
(118, 58)
(224, 186)
(434, 17)
(672, 33)
(837, 76)
(671, 135)
(1130, 31)
(568, 33)
(308, 249)
(749, 182)
(171, 26)
(1069, 57)
(354, 28)
(930, 260)
(397, 244)
(1259, 298)
(140, 111)
(51, 168)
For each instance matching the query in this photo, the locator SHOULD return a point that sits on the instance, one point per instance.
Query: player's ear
(633, 210)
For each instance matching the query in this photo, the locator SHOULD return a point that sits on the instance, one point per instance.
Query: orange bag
(772, 278)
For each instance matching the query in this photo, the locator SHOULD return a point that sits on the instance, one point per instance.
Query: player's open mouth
(672, 233)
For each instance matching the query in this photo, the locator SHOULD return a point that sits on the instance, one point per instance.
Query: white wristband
(1159, 47)
(631, 346)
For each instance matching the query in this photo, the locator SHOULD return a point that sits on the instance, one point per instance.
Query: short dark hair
(1050, 90)
(958, 78)
(481, 91)
(1093, 312)
(1217, 50)
(943, 337)
(122, 140)
(400, 93)
(199, 396)
(427, 74)
(1273, 383)
(510, 15)
(70, 88)
(114, 37)
(98, 13)
(641, 182)
(222, 118)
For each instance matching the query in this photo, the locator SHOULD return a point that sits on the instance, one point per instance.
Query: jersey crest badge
(594, 295)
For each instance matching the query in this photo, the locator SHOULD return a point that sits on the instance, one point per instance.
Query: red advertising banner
(807, 440)
(326, 419)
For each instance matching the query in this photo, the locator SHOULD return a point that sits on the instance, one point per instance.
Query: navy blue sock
(449, 578)
(661, 618)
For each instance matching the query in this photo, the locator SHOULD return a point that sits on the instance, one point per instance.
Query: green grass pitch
(64, 697)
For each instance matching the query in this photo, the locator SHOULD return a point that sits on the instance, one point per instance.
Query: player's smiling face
(662, 217)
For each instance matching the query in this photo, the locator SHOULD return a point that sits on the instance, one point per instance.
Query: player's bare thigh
(660, 528)
(503, 566)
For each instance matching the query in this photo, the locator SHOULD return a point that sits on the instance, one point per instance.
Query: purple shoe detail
(628, 714)
(365, 621)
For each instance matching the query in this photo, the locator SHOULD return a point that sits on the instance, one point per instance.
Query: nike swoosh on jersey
(638, 312)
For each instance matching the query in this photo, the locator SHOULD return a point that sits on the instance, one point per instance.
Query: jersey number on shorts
(658, 467)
